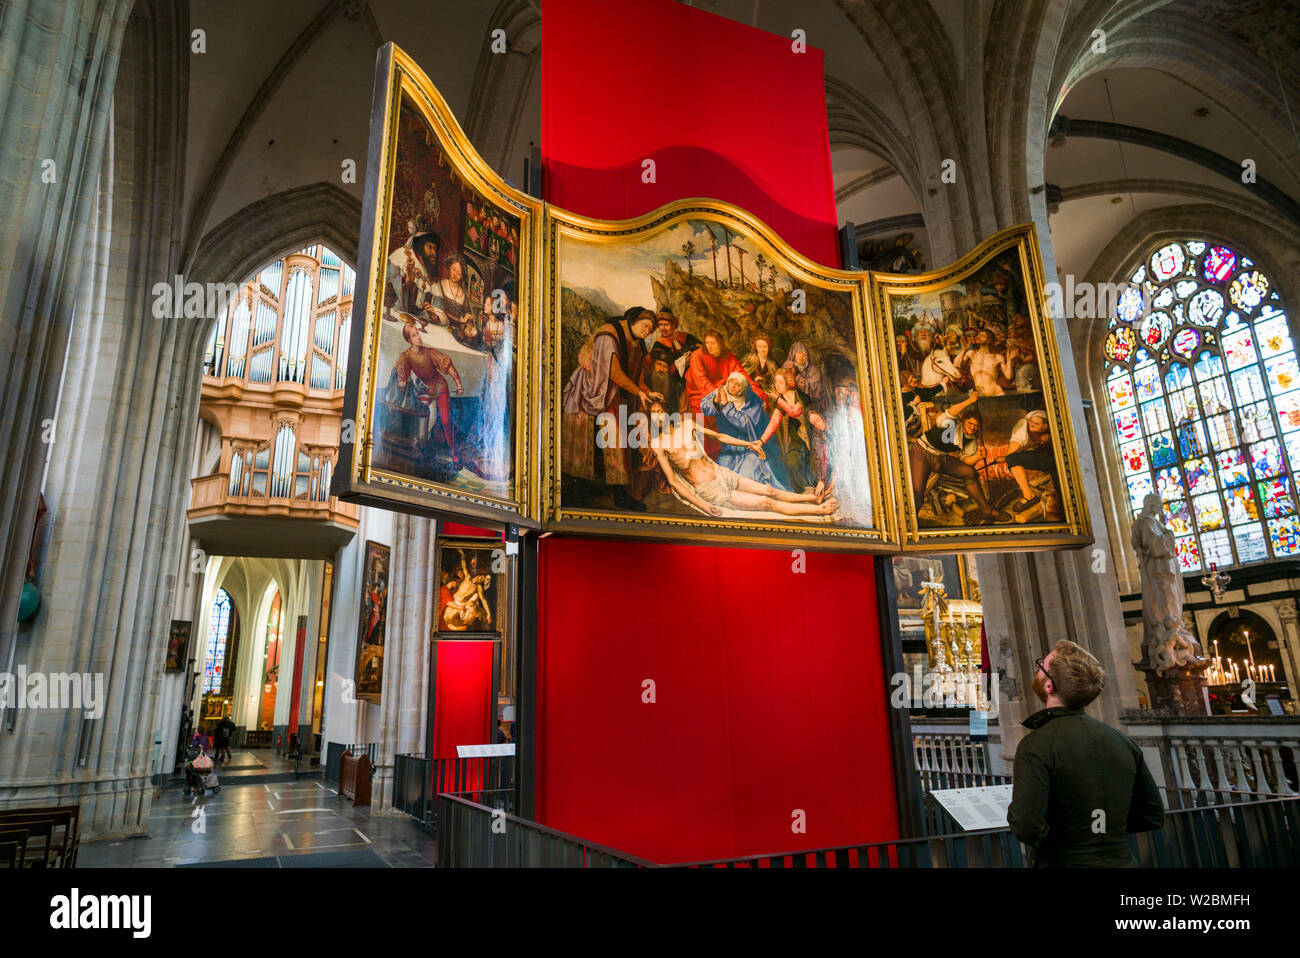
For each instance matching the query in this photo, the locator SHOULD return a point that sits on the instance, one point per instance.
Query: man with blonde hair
(1080, 785)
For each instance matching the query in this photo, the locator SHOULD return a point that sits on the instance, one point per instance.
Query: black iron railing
(1243, 835)
(417, 780)
(471, 835)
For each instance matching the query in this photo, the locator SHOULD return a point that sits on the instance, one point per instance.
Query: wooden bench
(13, 847)
(36, 830)
(60, 848)
(354, 778)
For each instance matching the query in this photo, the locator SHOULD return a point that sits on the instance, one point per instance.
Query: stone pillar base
(1181, 692)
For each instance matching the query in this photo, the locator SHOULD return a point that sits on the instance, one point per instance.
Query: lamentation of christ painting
(980, 447)
(445, 374)
(698, 377)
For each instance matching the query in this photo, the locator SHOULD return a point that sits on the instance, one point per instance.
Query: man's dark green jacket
(1069, 769)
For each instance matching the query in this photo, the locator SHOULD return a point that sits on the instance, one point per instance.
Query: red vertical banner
(300, 652)
(722, 110)
(763, 727)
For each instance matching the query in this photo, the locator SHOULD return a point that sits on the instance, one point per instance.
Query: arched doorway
(219, 654)
(1245, 663)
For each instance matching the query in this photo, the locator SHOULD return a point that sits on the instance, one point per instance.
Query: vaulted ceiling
(1182, 94)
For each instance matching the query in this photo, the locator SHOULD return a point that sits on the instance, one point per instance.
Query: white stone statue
(1165, 639)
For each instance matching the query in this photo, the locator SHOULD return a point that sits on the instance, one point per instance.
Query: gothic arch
(1203, 57)
(502, 81)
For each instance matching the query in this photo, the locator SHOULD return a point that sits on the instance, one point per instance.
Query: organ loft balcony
(270, 414)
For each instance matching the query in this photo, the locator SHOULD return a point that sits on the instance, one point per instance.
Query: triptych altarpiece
(686, 374)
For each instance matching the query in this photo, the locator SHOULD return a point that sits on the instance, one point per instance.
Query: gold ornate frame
(555, 515)
(397, 76)
(535, 499)
(1075, 529)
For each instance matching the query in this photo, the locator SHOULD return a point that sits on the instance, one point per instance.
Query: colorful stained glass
(1162, 450)
(1139, 487)
(1209, 513)
(1239, 348)
(1121, 392)
(1182, 404)
(1285, 534)
(1134, 457)
(1178, 517)
(1120, 343)
(1248, 290)
(1200, 475)
(1169, 483)
(1266, 459)
(1185, 342)
(1256, 422)
(1248, 385)
(1222, 430)
(1288, 411)
(1292, 442)
(1241, 505)
(1177, 376)
(1206, 308)
(1215, 397)
(1273, 334)
(1126, 425)
(1129, 305)
(1216, 548)
(1155, 328)
(1232, 467)
(1167, 262)
(1250, 542)
(1189, 555)
(1276, 496)
(1283, 373)
(1219, 264)
(1146, 379)
(1213, 425)
(1191, 439)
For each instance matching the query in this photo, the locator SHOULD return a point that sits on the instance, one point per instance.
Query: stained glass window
(1204, 392)
(214, 659)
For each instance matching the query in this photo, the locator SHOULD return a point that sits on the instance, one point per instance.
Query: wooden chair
(13, 846)
(65, 816)
(21, 835)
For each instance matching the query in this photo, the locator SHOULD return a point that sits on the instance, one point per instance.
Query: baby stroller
(199, 775)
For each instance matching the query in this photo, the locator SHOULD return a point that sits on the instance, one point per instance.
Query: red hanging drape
(769, 694)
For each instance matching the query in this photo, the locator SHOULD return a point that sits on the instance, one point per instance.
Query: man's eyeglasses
(1038, 663)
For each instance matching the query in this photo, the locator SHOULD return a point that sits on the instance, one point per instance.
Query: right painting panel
(985, 453)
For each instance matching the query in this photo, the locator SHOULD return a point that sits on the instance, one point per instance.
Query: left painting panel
(440, 390)
(374, 624)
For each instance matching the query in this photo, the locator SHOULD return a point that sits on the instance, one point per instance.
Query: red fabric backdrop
(725, 111)
(462, 697)
(768, 699)
(770, 693)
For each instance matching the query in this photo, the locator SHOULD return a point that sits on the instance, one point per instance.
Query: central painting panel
(708, 382)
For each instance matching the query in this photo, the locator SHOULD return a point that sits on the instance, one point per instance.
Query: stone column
(1289, 640)
(117, 480)
(58, 68)
(411, 597)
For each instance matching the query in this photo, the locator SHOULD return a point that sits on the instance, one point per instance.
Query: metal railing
(417, 780)
(1243, 835)
(471, 835)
